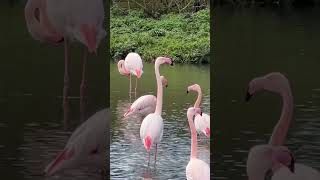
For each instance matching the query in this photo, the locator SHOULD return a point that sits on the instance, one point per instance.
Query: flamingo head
(121, 68)
(164, 81)
(194, 87)
(192, 111)
(265, 159)
(274, 82)
(164, 60)
(63, 161)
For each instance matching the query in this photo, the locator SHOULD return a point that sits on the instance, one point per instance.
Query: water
(250, 43)
(32, 131)
(128, 157)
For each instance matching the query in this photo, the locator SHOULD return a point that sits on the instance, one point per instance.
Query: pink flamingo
(86, 146)
(131, 65)
(146, 104)
(196, 168)
(57, 21)
(274, 158)
(151, 129)
(202, 123)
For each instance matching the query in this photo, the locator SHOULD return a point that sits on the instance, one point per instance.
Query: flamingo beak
(248, 96)
(128, 112)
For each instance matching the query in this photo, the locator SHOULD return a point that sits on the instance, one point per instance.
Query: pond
(128, 157)
(249, 43)
(32, 130)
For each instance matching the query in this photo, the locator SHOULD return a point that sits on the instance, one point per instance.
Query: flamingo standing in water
(151, 129)
(146, 104)
(196, 168)
(131, 65)
(55, 21)
(87, 146)
(202, 123)
(273, 159)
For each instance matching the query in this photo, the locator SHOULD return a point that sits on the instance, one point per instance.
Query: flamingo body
(151, 130)
(197, 170)
(143, 106)
(301, 172)
(202, 124)
(85, 147)
(133, 63)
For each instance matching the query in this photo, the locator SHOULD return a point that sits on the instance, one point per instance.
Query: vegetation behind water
(185, 37)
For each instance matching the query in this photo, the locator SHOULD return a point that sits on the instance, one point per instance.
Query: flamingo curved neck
(199, 98)
(280, 131)
(194, 142)
(159, 89)
(41, 28)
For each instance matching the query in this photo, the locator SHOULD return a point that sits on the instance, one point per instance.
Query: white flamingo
(55, 21)
(202, 123)
(146, 104)
(151, 129)
(274, 159)
(196, 168)
(131, 65)
(87, 146)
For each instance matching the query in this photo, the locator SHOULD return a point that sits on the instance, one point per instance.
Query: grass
(183, 37)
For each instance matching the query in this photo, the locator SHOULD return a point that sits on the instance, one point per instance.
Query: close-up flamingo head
(273, 82)
(164, 60)
(194, 87)
(192, 111)
(263, 159)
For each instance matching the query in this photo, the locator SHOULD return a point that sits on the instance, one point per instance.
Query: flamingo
(202, 123)
(146, 104)
(196, 168)
(55, 22)
(131, 65)
(273, 158)
(151, 129)
(86, 146)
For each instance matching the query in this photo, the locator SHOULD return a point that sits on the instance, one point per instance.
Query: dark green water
(128, 157)
(31, 81)
(250, 43)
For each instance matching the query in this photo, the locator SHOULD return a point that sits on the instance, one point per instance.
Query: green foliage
(183, 37)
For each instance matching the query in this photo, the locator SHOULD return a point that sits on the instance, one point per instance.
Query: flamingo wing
(202, 124)
(133, 62)
(301, 172)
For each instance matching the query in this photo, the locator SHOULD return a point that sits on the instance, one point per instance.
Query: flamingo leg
(148, 158)
(135, 90)
(155, 155)
(84, 87)
(130, 88)
(66, 83)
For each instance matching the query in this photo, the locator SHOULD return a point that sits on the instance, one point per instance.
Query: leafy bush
(183, 37)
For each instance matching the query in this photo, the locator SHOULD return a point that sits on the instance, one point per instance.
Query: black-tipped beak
(171, 63)
(166, 85)
(187, 91)
(201, 113)
(248, 96)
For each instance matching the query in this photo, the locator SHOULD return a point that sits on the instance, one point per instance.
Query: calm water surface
(250, 43)
(128, 157)
(31, 127)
